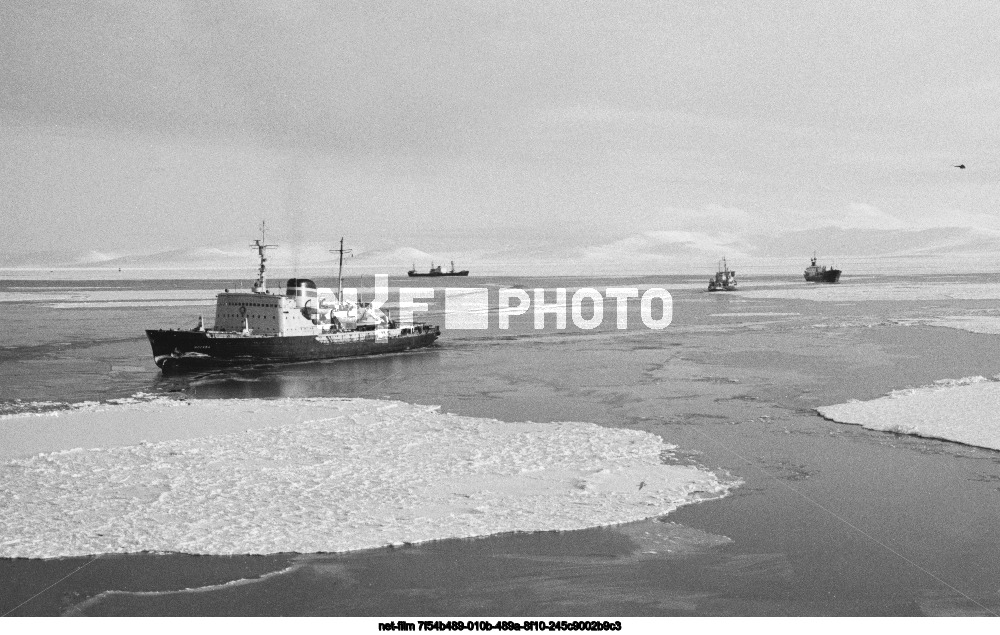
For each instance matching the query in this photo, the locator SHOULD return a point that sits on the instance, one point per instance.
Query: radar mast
(260, 286)
(340, 271)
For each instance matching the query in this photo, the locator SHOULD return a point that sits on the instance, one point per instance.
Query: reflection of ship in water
(259, 326)
(725, 279)
(356, 376)
(436, 271)
(814, 273)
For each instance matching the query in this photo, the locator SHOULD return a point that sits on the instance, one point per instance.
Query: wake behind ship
(259, 326)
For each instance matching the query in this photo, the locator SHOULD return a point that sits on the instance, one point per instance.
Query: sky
(547, 135)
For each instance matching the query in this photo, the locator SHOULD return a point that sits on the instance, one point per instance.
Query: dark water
(831, 519)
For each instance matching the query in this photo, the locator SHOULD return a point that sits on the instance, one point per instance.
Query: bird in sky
(960, 166)
(641, 484)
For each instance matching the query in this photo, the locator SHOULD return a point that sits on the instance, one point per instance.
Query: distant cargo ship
(260, 326)
(725, 279)
(814, 273)
(436, 271)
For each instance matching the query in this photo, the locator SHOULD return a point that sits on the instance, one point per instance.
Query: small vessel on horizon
(260, 326)
(436, 271)
(725, 279)
(816, 273)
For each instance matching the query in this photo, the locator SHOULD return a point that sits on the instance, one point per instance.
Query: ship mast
(261, 285)
(340, 271)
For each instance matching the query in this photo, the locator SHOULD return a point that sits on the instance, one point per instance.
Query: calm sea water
(831, 519)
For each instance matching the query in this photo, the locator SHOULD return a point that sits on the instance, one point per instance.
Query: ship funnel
(301, 290)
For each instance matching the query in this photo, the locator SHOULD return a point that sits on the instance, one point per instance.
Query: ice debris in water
(965, 410)
(327, 475)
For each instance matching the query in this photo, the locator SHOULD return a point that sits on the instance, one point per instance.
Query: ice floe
(855, 291)
(321, 475)
(756, 314)
(988, 324)
(965, 410)
(69, 297)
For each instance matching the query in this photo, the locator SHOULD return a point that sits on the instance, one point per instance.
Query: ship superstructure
(436, 271)
(725, 278)
(303, 323)
(816, 273)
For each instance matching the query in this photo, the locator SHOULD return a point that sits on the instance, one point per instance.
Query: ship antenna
(261, 285)
(340, 271)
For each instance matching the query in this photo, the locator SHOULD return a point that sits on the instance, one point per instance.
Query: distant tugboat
(725, 280)
(259, 326)
(820, 274)
(436, 271)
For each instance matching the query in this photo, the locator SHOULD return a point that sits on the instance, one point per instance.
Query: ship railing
(339, 336)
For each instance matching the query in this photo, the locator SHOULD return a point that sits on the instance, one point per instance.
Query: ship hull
(830, 275)
(414, 274)
(185, 350)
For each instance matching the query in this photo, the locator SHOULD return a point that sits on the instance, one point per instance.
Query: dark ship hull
(830, 275)
(175, 350)
(414, 274)
(725, 279)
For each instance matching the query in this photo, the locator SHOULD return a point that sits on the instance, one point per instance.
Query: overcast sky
(139, 126)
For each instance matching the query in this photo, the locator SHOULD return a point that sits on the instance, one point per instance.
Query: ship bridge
(297, 312)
